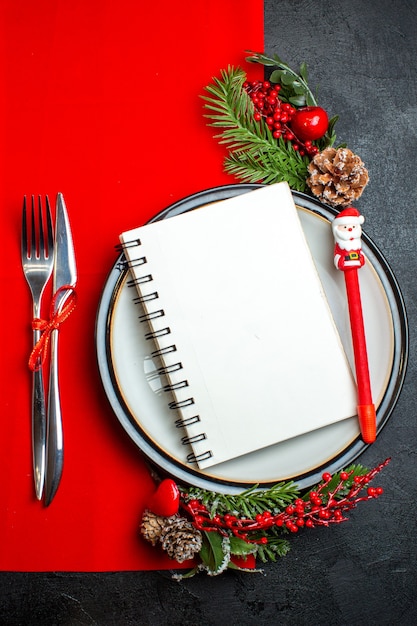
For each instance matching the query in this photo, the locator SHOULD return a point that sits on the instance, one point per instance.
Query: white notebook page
(250, 322)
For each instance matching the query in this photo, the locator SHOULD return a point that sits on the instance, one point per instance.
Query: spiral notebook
(239, 319)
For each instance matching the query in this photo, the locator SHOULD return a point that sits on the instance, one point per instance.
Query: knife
(65, 274)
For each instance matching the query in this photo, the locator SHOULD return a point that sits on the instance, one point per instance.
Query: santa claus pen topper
(348, 257)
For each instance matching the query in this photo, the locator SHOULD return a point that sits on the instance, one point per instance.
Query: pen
(348, 257)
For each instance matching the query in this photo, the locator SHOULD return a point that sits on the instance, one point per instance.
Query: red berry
(344, 476)
(310, 123)
(326, 477)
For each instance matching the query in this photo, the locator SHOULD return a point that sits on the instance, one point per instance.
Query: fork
(37, 254)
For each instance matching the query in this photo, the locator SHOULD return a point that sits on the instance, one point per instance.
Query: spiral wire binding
(158, 333)
(149, 316)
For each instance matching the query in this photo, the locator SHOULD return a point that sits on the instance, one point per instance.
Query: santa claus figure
(347, 233)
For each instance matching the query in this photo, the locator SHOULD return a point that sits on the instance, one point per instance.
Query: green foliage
(215, 553)
(283, 163)
(254, 154)
(239, 547)
(294, 87)
(248, 503)
(276, 547)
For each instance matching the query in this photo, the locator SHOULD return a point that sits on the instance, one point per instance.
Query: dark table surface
(363, 57)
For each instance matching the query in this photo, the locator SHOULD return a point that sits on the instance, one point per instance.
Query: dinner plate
(133, 387)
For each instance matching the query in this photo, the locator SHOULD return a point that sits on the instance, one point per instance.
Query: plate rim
(167, 464)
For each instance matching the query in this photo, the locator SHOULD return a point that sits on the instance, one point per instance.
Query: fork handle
(54, 440)
(38, 431)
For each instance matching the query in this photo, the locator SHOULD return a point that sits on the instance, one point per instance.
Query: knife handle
(54, 439)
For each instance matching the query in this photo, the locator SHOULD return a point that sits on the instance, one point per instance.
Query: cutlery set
(44, 252)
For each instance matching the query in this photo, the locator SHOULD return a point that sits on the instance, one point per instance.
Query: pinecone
(337, 177)
(181, 539)
(152, 526)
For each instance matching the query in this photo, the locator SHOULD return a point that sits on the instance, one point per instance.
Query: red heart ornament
(166, 499)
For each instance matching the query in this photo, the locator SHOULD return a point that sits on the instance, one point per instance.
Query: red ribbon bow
(56, 317)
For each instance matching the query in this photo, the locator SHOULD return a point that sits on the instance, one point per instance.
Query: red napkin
(100, 100)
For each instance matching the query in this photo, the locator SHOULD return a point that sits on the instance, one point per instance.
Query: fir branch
(284, 164)
(254, 155)
(232, 109)
(247, 503)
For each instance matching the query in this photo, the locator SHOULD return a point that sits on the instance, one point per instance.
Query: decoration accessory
(165, 500)
(348, 257)
(276, 131)
(181, 539)
(152, 526)
(56, 318)
(337, 177)
(220, 531)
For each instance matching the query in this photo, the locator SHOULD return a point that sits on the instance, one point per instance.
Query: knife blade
(64, 275)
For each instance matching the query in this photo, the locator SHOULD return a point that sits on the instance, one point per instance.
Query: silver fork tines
(37, 261)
